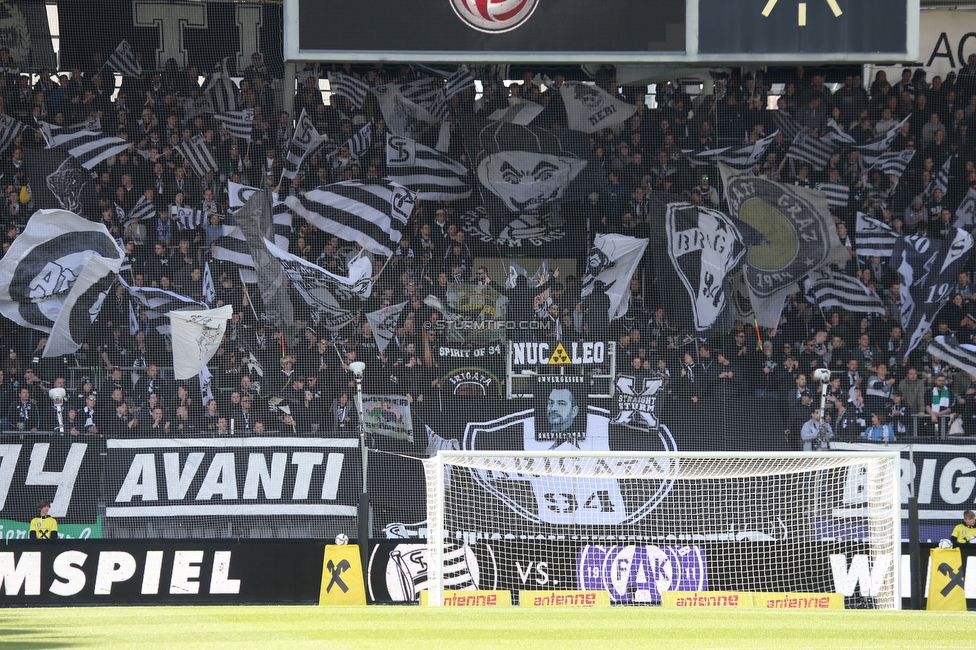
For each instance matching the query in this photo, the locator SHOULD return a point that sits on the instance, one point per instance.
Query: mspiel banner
(217, 477)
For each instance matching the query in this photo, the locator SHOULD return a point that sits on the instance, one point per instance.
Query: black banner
(24, 31)
(232, 477)
(54, 468)
(192, 33)
(175, 572)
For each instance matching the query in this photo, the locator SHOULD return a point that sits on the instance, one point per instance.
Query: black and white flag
(255, 221)
(383, 323)
(966, 212)
(799, 236)
(940, 181)
(458, 81)
(838, 290)
(142, 210)
(928, 268)
(589, 108)
(349, 87)
(84, 142)
(359, 143)
(403, 116)
(810, 150)
(232, 247)
(519, 111)
(959, 355)
(745, 157)
(157, 303)
(613, 260)
(197, 153)
(333, 298)
(374, 216)
(786, 123)
(55, 136)
(428, 172)
(704, 246)
(893, 162)
(882, 145)
(873, 237)
(220, 95)
(123, 61)
(838, 194)
(238, 194)
(237, 123)
(196, 335)
(209, 290)
(55, 276)
(9, 130)
(302, 140)
(187, 217)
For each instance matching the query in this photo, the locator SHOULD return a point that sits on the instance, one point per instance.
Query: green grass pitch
(414, 627)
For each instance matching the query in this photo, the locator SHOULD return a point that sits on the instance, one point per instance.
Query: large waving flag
(613, 259)
(123, 60)
(56, 275)
(928, 268)
(196, 337)
(374, 216)
(302, 140)
(799, 237)
(428, 172)
(590, 108)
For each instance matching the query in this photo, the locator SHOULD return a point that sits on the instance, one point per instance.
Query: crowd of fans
(643, 161)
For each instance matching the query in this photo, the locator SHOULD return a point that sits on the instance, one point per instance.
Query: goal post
(641, 524)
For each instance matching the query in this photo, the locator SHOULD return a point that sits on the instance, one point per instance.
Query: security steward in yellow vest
(45, 526)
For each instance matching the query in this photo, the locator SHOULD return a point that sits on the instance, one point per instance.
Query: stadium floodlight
(762, 524)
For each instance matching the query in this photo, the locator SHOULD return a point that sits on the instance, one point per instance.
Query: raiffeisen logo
(494, 16)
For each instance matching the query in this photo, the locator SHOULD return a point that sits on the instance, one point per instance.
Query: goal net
(641, 525)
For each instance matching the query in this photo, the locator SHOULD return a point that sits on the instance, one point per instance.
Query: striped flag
(349, 87)
(838, 194)
(92, 150)
(429, 173)
(187, 217)
(209, 290)
(232, 247)
(746, 157)
(123, 61)
(811, 151)
(940, 181)
(837, 290)
(786, 123)
(143, 209)
(383, 323)
(520, 111)
(359, 143)
(302, 140)
(9, 130)
(371, 215)
(220, 95)
(458, 81)
(883, 144)
(237, 123)
(197, 153)
(873, 237)
(960, 355)
(707, 157)
(56, 136)
(892, 162)
(966, 212)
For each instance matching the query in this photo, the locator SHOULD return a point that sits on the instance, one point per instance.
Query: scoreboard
(677, 32)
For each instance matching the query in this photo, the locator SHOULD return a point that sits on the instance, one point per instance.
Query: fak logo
(640, 574)
(494, 16)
